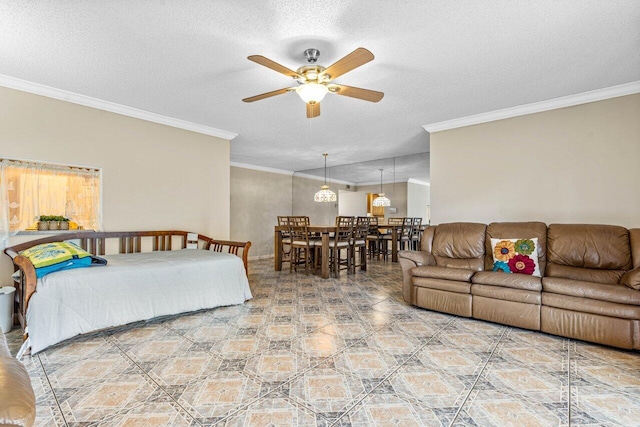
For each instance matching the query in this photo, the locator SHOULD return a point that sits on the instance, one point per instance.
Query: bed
(148, 274)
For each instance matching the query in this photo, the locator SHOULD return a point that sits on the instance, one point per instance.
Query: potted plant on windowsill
(53, 222)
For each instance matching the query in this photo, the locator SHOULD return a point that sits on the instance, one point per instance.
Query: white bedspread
(130, 288)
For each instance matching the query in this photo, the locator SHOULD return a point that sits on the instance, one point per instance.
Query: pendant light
(325, 195)
(381, 200)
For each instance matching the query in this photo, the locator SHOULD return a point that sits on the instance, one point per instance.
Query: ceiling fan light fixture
(312, 92)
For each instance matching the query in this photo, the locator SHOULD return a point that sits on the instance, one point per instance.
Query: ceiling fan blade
(259, 59)
(356, 92)
(313, 110)
(358, 57)
(267, 95)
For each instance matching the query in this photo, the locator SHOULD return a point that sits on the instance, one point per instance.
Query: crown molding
(261, 168)
(360, 184)
(288, 173)
(537, 107)
(321, 179)
(87, 101)
(417, 181)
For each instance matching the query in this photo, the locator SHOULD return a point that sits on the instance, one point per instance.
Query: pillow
(516, 256)
(50, 257)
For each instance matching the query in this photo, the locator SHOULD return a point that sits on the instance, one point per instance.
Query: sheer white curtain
(28, 190)
(4, 209)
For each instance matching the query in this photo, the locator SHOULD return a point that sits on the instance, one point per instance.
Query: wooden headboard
(111, 242)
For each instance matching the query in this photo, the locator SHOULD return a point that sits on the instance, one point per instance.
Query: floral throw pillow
(516, 256)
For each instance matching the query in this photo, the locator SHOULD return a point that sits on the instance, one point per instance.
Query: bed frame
(96, 244)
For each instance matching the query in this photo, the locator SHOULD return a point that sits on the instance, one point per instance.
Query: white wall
(352, 203)
(155, 177)
(578, 164)
(418, 199)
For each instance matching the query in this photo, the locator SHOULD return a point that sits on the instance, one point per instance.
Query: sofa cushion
(584, 274)
(587, 305)
(506, 294)
(442, 285)
(631, 279)
(604, 247)
(514, 281)
(595, 291)
(436, 272)
(459, 240)
(524, 230)
(518, 255)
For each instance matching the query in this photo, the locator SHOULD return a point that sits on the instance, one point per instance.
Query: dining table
(325, 232)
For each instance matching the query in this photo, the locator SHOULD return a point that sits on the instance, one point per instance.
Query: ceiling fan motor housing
(312, 55)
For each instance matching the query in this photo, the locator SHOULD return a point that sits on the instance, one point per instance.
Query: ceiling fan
(315, 81)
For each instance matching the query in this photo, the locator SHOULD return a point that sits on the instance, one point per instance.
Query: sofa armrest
(17, 399)
(408, 260)
(417, 257)
(632, 279)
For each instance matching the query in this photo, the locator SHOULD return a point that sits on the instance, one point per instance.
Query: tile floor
(347, 352)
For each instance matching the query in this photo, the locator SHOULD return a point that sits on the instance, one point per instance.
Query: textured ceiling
(435, 61)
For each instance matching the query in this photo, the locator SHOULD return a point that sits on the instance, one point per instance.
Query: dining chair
(416, 233)
(342, 240)
(403, 235)
(374, 238)
(300, 247)
(359, 242)
(285, 254)
(404, 242)
(395, 221)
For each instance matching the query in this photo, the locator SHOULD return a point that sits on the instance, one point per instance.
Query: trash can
(7, 294)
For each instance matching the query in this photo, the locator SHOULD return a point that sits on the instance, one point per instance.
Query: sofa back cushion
(459, 245)
(634, 237)
(517, 230)
(587, 252)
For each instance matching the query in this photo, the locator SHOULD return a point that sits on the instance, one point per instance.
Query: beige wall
(303, 204)
(577, 164)
(257, 198)
(154, 176)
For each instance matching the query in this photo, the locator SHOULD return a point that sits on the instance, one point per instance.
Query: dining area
(327, 249)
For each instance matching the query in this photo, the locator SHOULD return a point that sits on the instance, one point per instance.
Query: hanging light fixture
(325, 195)
(381, 200)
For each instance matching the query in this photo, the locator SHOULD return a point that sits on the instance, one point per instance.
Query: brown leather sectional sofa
(589, 289)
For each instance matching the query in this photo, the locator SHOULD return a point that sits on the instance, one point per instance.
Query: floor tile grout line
(387, 376)
(115, 344)
(295, 377)
(569, 342)
(53, 393)
(484, 366)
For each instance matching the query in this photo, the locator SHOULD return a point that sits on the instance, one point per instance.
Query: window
(28, 190)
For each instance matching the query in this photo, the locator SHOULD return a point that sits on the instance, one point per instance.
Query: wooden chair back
(361, 230)
(395, 221)
(344, 230)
